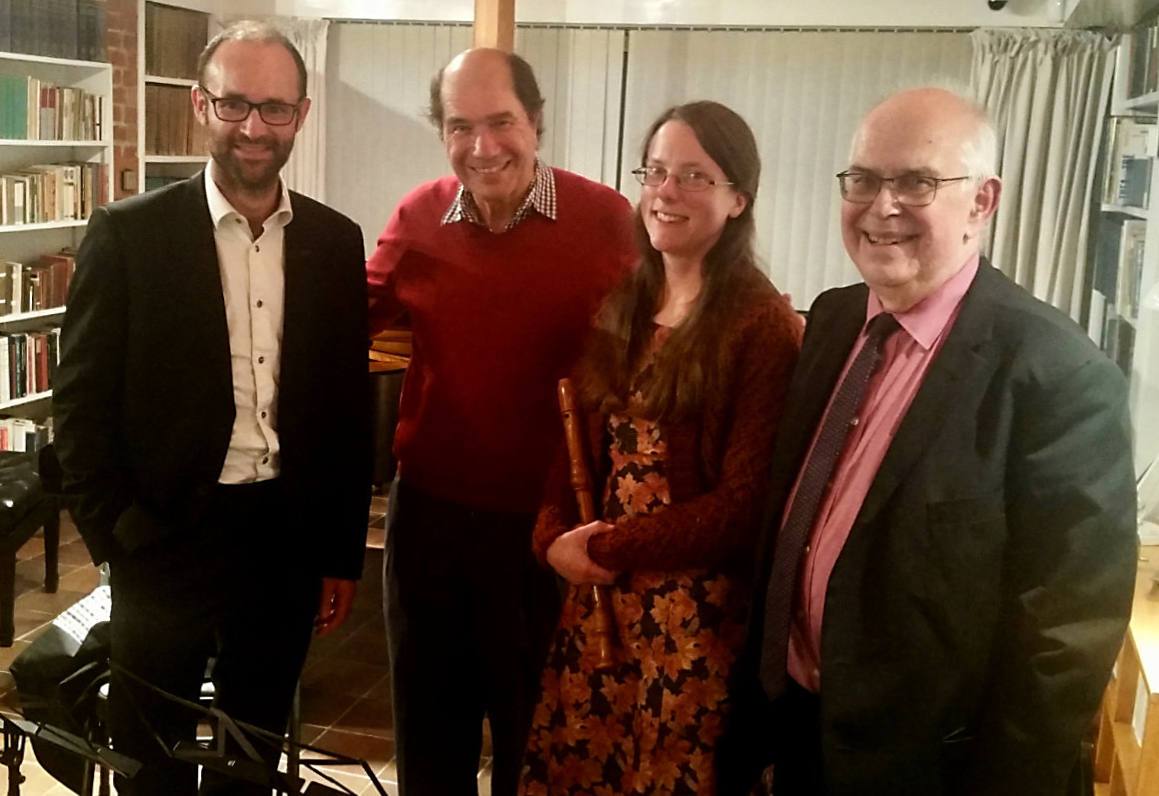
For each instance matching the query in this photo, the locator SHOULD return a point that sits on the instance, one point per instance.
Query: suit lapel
(826, 347)
(193, 252)
(299, 288)
(958, 370)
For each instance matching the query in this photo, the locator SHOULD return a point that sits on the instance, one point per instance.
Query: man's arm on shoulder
(1070, 571)
(385, 309)
(87, 387)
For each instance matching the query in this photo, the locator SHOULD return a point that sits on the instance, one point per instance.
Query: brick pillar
(122, 50)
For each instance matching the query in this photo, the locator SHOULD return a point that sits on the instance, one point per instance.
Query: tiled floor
(345, 684)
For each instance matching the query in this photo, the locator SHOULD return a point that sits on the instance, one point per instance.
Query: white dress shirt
(253, 284)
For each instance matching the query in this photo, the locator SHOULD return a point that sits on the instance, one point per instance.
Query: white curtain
(803, 93)
(1047, 91)
(305, 171)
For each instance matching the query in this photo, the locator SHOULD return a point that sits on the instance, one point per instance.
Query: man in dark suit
(212, 421)
(948, 565)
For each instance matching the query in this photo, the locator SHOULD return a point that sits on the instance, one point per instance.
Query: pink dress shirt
(905, 360)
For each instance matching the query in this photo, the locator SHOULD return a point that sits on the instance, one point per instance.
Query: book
(1130, 268)
(5, 382)
(15, 273)
(1135, 182)
(91, 30)
(6, 25)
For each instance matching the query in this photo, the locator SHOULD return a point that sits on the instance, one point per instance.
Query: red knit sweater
(498, 319)
(716, 465)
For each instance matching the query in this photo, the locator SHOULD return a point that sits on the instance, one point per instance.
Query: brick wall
(122, 49)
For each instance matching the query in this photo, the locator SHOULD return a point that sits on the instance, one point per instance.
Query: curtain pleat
(1047, 91)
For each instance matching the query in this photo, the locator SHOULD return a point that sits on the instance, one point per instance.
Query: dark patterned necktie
(782, 585)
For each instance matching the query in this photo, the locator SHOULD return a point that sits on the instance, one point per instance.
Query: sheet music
(86, 612)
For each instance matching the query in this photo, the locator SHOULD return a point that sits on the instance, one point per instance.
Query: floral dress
(649, 725)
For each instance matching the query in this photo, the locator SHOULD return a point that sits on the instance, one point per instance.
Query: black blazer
(143, 397)
(973, 616)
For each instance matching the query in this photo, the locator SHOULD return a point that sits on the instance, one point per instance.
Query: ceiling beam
(495, 24)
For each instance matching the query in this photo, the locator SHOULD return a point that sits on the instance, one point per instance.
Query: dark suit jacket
(973, 616)
(143, 401)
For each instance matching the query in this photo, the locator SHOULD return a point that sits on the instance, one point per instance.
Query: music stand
(17, 730)
(246, 762)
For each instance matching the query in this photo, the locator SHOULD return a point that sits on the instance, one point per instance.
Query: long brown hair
(685, 371)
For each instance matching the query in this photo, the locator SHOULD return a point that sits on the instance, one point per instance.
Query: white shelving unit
(25, 242)
(1145, 358)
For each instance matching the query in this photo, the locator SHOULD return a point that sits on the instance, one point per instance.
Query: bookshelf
(55, 156)
(1127, 744)
(172, 143)
(1124, 305)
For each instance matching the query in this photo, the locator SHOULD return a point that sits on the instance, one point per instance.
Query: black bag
(58, 679)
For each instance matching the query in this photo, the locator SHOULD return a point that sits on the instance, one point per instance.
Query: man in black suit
(939, 604)
(211, 410)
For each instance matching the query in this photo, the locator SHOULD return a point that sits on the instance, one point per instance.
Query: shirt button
(259, 304)
(854, 421)
(808, 547)
(261, 360)
(265, 460)
(263, 414)
(257, 248)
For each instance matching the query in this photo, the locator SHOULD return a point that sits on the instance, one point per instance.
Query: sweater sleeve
(385, 310)
(720, 525)
(557, 513)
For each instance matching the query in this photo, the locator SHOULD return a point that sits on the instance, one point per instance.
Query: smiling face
(249, 154)
(490, 138)
(905, 253)
(682, 224)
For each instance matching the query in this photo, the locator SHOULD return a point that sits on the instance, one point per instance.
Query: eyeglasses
(229, 109)
(911, 190)
(655, 176)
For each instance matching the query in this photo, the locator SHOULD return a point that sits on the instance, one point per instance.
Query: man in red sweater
(498, 272)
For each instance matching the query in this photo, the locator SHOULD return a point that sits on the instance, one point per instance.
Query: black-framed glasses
(231, 109)
(910, 189)
(654, 177)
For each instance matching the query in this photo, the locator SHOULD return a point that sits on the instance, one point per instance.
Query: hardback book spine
(6, 25)
(5, 381)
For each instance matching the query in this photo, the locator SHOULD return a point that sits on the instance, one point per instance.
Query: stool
(26, 506)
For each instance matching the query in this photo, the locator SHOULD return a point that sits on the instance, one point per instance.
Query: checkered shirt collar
(540, 198)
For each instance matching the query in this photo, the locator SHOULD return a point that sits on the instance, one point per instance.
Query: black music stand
(16, 731)
(234, 747)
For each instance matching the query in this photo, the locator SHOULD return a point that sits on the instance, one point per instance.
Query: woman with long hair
(682, 387)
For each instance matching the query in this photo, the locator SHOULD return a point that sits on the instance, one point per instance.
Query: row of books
(171, 128)
(1113, 333)
(174, 38)
(40, 194)
(21, 434)
(31, 109)
(31, 359)
(1143, 74)
(1130, 149)
(35, 286)
(73, 29)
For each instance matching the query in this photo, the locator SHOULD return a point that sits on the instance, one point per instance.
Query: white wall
(790, 13)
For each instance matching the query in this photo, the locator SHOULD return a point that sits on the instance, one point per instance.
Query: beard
(248, 176)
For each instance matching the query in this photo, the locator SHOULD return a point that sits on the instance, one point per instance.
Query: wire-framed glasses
(231, 109)
(654, 177)
(910, 189)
